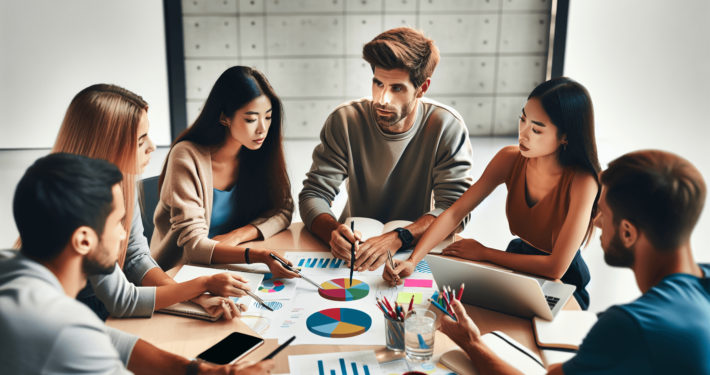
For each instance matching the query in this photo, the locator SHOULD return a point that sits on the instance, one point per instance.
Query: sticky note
(418, 283)
(405, 298)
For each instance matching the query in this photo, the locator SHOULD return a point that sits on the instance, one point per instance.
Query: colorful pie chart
(341, 290)
(339, 323)
(271, 286)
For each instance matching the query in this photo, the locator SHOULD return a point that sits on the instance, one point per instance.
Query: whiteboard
(51, 50)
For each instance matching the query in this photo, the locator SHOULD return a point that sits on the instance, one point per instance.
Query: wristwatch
(405, 235)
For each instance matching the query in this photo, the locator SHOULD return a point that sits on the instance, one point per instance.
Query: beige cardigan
(182, 217)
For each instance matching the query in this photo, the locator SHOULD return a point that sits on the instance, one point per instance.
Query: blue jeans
(96, 306)
(577, 274)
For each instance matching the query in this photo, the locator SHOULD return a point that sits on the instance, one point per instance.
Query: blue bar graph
(300, 264)
(310, 263)
(336, 263)
(332, 372)
(320, 263)
(320, 368)
(367, 370)
(325, 264)
(342, 367)
(354, 368)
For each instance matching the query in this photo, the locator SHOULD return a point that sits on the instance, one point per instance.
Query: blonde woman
(111, 123)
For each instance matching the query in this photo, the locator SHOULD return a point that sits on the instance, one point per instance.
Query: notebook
(566, 331)
(192, 310)
(373, 228)
(511, 351)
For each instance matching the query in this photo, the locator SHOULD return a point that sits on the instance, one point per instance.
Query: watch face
(406, 236)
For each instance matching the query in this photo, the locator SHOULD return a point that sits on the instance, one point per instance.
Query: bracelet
(193, 368)
(246, 255)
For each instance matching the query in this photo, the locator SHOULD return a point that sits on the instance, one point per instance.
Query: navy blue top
(222, 205)
(665, 331)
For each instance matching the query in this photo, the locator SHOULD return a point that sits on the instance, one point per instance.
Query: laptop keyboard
(552, 301)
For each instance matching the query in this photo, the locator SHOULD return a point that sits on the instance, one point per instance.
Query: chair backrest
(150, 202)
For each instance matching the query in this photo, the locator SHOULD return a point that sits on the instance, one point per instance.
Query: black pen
(295, 271)
(352, 253)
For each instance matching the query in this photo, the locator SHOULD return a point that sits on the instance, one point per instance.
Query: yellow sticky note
(405, 298)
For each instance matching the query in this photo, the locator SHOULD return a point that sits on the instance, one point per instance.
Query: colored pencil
(411, 303)
(387, 302)
(438, 306)
(461, 291)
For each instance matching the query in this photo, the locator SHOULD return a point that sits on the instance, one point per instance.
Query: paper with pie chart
(339, 323)
(341, 290)
(276, 288)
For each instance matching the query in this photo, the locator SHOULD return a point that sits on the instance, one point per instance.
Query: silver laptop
(501, 290)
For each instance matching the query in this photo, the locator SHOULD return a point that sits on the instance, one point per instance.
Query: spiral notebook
(192, 310)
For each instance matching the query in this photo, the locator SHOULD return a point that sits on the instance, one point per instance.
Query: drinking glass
(419, 335)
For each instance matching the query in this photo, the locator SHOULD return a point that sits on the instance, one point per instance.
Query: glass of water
(419, 335)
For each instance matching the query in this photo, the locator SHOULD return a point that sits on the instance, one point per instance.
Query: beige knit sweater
(182, 217)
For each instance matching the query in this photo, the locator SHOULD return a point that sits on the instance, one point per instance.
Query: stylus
(259, 300)
(296, 271)
(280, 348)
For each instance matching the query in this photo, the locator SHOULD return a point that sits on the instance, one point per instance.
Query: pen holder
(394, 333)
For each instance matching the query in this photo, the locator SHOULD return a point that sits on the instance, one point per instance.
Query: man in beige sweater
(405, 157)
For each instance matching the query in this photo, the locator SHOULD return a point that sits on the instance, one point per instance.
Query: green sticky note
(404, 298)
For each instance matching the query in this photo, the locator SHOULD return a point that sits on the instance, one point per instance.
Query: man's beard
(617, 255)
(97, 262)
(396, 118)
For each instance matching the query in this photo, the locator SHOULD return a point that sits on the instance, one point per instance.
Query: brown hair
(403, 48)
(660, 193)
(102, 123)
(263, 185)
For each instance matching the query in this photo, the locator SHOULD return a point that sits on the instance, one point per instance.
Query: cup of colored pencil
(395, 316)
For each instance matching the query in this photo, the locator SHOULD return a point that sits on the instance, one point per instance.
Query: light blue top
(222, 205)
(44, 331)
(665, 331)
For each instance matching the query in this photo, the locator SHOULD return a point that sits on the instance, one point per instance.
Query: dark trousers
(96, 306)
(577, 274)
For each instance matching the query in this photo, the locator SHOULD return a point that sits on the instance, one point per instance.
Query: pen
(296, 271)
(389, 259)
(352, 253)
(259, 300)
(438, 306)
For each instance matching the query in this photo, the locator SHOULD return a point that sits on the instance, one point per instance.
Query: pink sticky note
(418, 283)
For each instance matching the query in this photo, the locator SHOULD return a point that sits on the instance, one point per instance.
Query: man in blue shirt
(649, 205)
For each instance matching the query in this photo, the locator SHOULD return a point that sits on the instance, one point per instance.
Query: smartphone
(231, 349)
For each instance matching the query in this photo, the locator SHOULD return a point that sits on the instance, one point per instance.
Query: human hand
(242, 368)
(276, 268)
(467, 249)
(342, 239)
(373, 252)
(214, 305)
(227, 285)
(232, 238)
(402, 268)
(463, 331)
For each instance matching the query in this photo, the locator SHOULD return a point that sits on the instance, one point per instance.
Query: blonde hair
(102, 123)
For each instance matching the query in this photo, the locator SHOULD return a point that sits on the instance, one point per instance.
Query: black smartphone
(280, 348)
(231, 349)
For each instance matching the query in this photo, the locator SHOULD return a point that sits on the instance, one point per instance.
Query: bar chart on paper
(347, 363)
(323, 263)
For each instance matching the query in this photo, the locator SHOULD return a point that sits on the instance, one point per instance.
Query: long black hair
(263, 186)
(570, 108)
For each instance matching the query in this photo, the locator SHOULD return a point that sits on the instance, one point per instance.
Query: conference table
(189, 337)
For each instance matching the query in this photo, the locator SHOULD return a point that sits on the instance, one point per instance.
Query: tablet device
(231, 349)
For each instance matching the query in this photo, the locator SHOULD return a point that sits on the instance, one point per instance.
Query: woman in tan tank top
(553, 189)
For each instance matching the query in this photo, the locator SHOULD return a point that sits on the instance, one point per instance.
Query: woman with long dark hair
(553, 190)
(225, 180)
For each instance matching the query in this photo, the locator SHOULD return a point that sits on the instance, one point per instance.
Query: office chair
(150, 202)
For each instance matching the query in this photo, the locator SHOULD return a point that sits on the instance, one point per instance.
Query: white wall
(50, 50)
(646, 64)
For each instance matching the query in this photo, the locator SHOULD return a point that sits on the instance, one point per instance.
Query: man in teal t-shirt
(650, 203)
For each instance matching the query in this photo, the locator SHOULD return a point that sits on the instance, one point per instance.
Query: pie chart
(339, 323)
(271, 286)
(341, 290)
